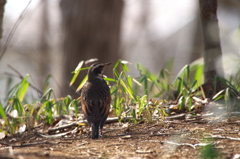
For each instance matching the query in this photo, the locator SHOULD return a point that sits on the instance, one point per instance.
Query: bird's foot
(101, 134)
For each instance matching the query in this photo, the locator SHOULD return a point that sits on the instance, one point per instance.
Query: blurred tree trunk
(197, 43)
(212, 48)
(2, 4)
(44, 53)
(91, 30)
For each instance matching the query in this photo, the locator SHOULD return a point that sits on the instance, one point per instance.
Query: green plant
(209, 151)
(18, 113)
(142, 98)
(230, 94)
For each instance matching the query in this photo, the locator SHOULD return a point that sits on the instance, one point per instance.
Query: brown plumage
(96, 98)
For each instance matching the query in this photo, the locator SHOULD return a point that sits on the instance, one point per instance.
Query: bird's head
(96, 70)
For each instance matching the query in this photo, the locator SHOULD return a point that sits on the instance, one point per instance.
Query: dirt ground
(171, 138)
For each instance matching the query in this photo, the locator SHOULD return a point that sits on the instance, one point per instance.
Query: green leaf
(76, 72)
(124, 68)
(190, 103)
(180, 85)
(193, 86)
(22, 88)
(188, 73)
(48, 107)
(82, 83)
(67, 100)
(199, 74)
(139, 84)
(142, 103)
(47, 95)
(181, 73)
(209, 152)
(116, 74)
(18, 106)
(46, 83)
(227, 95)
(218, 95)
(130, 81)
(110, 79)
(181, 102)
(129, 91)
(143, 71)
(116, 65)
(2, 112)
(74, 104)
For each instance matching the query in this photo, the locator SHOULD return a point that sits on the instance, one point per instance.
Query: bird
(96, 98)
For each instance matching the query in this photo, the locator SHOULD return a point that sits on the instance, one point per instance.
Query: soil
(171, 138)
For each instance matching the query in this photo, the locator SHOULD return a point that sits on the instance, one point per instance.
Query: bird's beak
(107, 64)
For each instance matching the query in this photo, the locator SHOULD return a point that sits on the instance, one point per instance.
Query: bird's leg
(101, 133)
(89, 130)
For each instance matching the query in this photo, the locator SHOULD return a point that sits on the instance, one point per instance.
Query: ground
(170, 138)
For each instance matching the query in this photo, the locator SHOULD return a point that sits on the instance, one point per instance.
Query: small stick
(179, 144)
(30, 144)
(21, 77)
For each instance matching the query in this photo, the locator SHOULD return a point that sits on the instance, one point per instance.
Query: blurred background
(54, 36)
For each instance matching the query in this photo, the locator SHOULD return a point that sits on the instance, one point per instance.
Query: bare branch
(14, 29)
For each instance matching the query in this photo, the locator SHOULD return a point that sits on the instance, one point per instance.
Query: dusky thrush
(96, 98)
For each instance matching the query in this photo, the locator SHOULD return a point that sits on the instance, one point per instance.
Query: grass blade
(46, 83)
(110, 79)
(22, 90)
(129, 90)
(76, 72)
(82, 83)
(2, 112)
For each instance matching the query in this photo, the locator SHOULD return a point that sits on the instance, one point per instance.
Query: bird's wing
(85, 106)
(90, 106)
(104, 106)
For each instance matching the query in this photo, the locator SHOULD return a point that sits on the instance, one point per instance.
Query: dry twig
(14, 29)
(29, 144)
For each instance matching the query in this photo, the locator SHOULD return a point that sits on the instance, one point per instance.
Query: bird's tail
(95, 130)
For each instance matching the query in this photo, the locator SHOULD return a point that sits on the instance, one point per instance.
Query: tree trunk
(91, 30)
(2, 4)
(212, 48)
(197, 44)
(44, 49)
